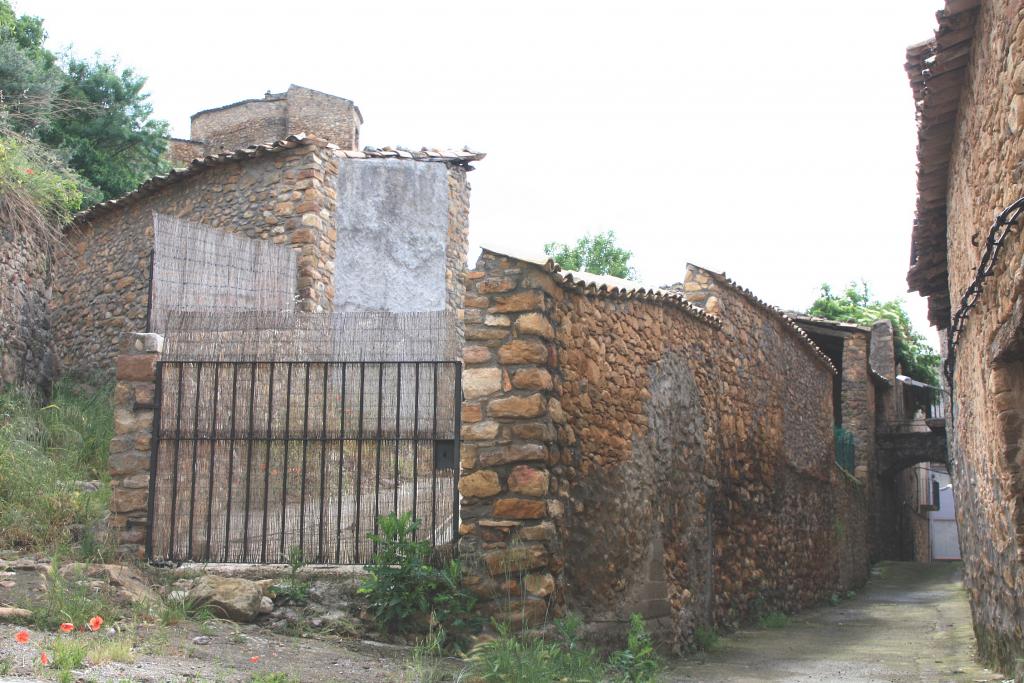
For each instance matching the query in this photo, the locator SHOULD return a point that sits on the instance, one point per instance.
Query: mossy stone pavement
(911, 622)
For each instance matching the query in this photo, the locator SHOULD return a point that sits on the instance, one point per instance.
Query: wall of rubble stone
(101, 276)
(250, 122)
(26, 342)
(634, 454)
(134, 400)
(987, 462)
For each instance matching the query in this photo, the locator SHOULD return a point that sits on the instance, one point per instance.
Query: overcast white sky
(772, 140)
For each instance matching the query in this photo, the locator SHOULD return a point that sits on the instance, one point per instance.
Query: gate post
(135, 398)
(509, 546)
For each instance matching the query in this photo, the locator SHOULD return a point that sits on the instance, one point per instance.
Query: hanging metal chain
(1007, 219)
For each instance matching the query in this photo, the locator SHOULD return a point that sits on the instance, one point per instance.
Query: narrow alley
(911, 622)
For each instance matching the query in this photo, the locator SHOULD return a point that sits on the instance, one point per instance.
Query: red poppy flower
(29, 171)
(254, 659)
(67, 627)
(95, 623)
(21, 636)
(43, 659)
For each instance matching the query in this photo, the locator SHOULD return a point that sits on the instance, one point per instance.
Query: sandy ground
(223, 652)
(910, 623)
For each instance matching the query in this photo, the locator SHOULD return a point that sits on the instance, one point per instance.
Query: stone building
(379, 229)
(968, 86)
(274, 117)
(890, 437)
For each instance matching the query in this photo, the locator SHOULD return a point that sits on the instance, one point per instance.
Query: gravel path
(910, 623)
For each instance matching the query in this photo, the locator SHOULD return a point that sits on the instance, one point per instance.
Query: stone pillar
(858, 403)
(134, 400)
(509, 546)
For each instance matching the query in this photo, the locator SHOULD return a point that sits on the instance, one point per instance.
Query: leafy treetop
(91, 112)
(857, 305)
(598, 255)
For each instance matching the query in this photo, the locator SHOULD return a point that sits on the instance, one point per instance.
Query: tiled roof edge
(200, 164)
(787, 321)
(578, 282)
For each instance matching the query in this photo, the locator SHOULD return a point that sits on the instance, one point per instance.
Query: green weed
(73, 601)
(638, 663)
(705, 639)
(69, 653)
(173, 612)
(110, 650)
(525, 659)
(774, 620)
(44, 450)
(273, 677)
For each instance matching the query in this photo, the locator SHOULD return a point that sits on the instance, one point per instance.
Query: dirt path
(910, 623)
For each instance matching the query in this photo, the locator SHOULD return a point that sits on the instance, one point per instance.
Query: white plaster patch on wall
(392, 220)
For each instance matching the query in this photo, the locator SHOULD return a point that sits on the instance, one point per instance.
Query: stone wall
(26, 342)
(631, 453)
(275, 117)
(134, 399)
(985, 176)
(241, 124)
(180, 153)
(325, 116)
(853, 510)
(101, 275)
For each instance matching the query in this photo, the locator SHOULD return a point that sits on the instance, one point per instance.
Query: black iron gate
(254, 459)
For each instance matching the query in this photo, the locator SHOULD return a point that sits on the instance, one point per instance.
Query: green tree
(94, 114)
(857, 305)
(598, 254)
(111, 137)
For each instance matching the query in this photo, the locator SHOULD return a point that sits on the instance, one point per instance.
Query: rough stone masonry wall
(134, 400)
(627, 455)
(242, 124)
(986, 175)
(334, 119)
(26, 343)
(101, 277)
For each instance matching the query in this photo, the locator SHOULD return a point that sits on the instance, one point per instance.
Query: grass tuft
(774, 620)
(112, 650)
(44, 449)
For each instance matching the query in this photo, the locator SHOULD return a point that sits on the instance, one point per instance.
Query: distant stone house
(379, 229)
(892, 441)
(968, 87)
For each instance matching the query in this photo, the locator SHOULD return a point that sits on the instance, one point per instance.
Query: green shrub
(405, 591)
(44, 450)
(35, 182)
(638, 663)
